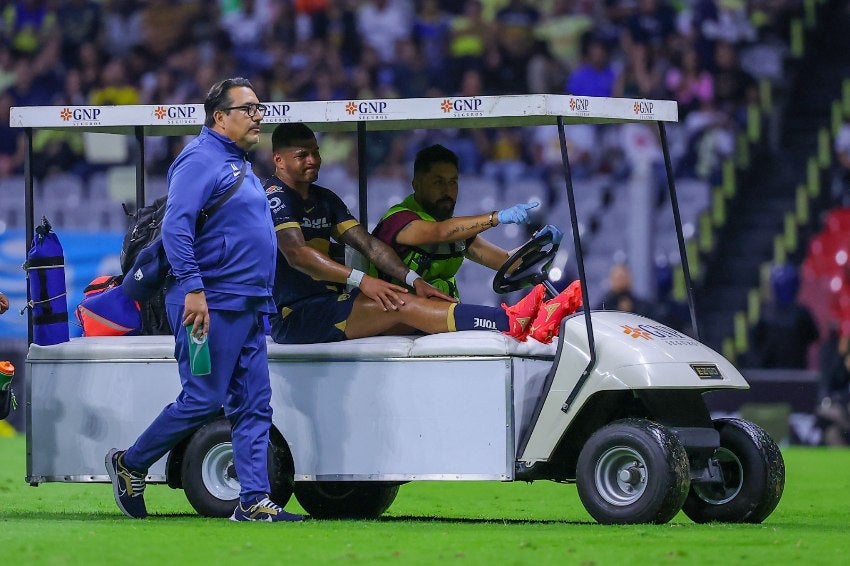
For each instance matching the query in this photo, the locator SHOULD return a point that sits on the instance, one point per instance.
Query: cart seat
(475, 343)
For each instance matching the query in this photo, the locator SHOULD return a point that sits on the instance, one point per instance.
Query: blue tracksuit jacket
(234, 254)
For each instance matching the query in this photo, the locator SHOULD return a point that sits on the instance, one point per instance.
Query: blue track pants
(239, 382)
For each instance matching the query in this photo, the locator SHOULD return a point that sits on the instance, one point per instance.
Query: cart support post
(591, 344)
(677, 218)
(140, 167)
(361, 174)
(29, 206)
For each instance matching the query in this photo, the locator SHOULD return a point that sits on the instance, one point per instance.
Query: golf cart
(614, 405)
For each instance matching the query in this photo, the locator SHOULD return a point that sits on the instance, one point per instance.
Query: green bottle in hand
(199, 353)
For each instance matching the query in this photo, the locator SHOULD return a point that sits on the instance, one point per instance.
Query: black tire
(345, 500)
(633, 471)
(209, 476)
(753, 477)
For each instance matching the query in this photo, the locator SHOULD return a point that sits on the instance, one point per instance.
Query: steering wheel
(528, 266)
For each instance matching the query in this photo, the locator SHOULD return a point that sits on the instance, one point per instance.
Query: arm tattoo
(474, 227)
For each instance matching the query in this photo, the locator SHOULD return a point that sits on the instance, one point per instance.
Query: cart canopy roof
(344, 115)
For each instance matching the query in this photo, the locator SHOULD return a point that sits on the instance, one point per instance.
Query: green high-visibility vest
(436, 263)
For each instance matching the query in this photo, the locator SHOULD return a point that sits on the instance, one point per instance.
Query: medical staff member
(429, 239)
(221, 287)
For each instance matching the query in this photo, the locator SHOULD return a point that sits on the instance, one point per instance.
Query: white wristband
(355, 277)
(411, 277)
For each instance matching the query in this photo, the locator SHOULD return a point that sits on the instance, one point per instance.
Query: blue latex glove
(557, 235)
(517, 214)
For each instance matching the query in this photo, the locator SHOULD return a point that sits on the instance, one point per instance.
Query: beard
(441, 210)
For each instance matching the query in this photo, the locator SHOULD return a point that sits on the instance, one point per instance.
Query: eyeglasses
(249, 109)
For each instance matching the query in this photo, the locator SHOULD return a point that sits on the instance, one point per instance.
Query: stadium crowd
(78, 52)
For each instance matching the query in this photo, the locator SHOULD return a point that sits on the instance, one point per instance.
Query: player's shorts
(316, 319)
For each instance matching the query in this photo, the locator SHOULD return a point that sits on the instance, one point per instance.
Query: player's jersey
(321, 216)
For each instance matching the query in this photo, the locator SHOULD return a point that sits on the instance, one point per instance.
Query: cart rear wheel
(345, 500)
(632, 471)
(752, 473)
(209, 475)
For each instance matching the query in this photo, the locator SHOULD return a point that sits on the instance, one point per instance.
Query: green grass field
(430, 522)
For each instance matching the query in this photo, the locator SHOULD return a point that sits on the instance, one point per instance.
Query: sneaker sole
(113, 476)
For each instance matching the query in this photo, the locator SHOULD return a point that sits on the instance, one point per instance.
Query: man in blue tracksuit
(223, 275)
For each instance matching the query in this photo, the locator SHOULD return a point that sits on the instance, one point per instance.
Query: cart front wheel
(633, 471)
(345, 500)
(209, 475)
(752, 477)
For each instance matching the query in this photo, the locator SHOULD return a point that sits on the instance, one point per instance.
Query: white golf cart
(615, 405)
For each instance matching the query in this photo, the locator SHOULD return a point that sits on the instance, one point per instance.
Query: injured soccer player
(309, 287)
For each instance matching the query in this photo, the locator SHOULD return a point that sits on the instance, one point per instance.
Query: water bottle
(199, 353)
(7, 372)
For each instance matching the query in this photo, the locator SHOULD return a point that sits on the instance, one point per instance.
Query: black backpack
(145, 226)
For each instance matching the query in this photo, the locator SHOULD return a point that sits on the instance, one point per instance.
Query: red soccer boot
(547, 324)
(521, 314)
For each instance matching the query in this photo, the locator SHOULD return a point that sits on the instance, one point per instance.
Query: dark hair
(219, 97)
(590, 38)
(430, 155)
(286, 134)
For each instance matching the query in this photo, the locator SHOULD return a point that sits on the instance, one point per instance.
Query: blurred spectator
(709, 137)
(717, 21)
(27, 25)
(310, 7)
(582, 149)
(7, 67)
(79, 21)
(833, 411)
(620, 296)
(470, 37)
(733, 87)
(841, 185)
(785, 330)
(666, 309)
(161, 88)
(12, 141)
(431, 31)
(640, 77)
(382, 23)
(57, 151)
(562, 29)
(283, 29)
(247, 27)
(337, 28)
(90, 63)
(594, 76)
(115, 87)
(123, 26)
(688, 81)
(409, 75)
(514, 25)
(166, 24)
(610, 21)
(73, 94)
(31, 89)
(467, 143)
(504, 158)
(652, 25)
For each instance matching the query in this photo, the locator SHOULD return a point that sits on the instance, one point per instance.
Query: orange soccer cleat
(547, 323)
(521, 314)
